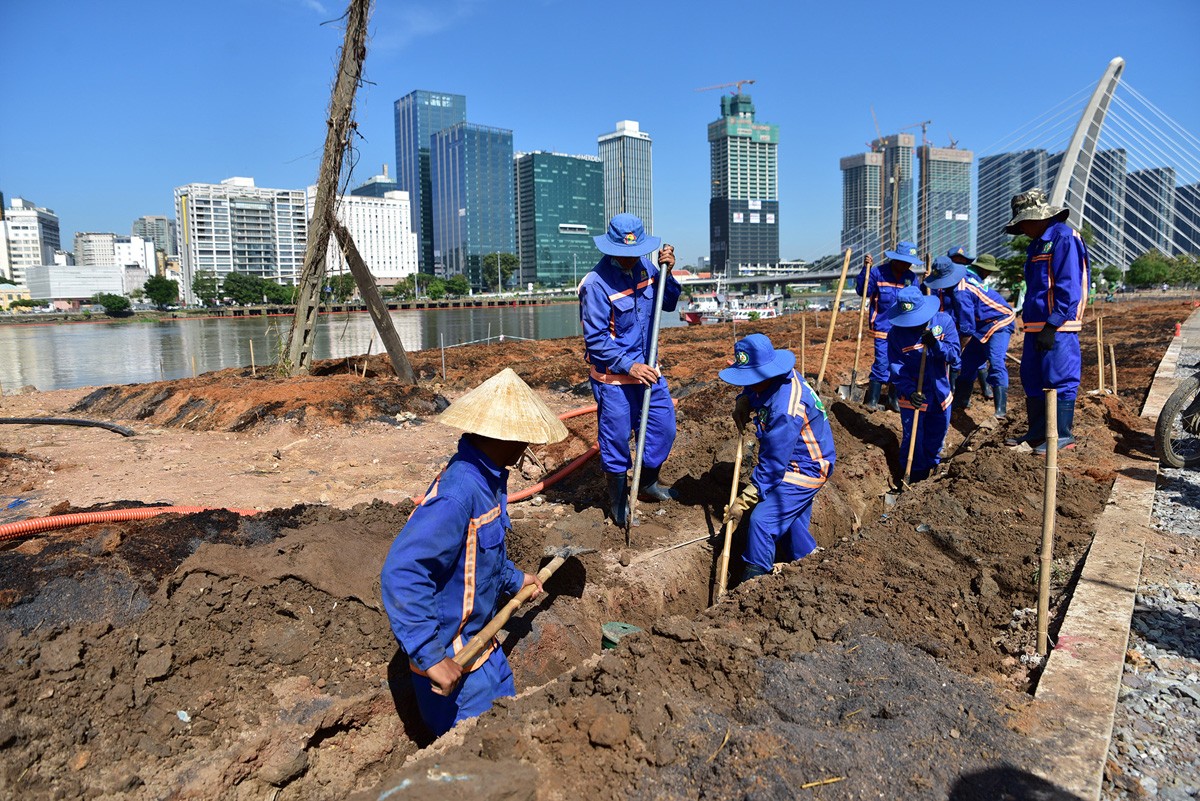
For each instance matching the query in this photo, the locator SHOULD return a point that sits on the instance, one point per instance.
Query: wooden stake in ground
(862, 312)
(837, 301)
(1112, 362)
(340, 126)
(912, 435)
(193, 366)
(1100, 353)
(723, 563)
(1049, 505)
(252, 369)
(375, 305)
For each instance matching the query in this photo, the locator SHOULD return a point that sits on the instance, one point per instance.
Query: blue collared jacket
(449, 567)
(981, 310)
(1057, 277)
(795, 443)
(617, 312)
(904, 357)
(882, 286)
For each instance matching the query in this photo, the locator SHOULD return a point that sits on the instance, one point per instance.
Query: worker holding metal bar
(795, 453)
(878, 286)
(1057, 276)
(985, 325)
(616, 309)
(448, 568)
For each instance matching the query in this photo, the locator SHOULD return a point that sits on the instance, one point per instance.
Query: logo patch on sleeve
(937, 330)
(1049, 246)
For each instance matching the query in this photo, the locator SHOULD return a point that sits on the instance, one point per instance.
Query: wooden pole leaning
(912, 434)
(723, 562)
(253, 371)
(485, 635)
(862, 313)
(1049, 505)
(1112, 363)
(837, 301)
(1100, 353)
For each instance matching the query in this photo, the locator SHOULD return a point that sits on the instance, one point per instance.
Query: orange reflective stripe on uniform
(796, 408)
(624, 293)
(613, 378)
(996, 326)
(469, 571)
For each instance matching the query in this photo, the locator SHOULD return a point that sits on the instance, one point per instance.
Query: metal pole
(499, 277)
(575, 269)
(1099, 355)
(1049, 503)
(443, 338)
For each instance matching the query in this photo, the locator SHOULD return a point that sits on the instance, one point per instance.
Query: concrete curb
(1078, 689)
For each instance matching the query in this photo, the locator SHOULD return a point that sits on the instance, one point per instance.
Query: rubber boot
(651, 490)
(1035, 410)
(1066, 420)
(752, 571)
(962, 392)
(893, 399)
(1000, 399)
(873, 391)
(984, 386)
(618, 498)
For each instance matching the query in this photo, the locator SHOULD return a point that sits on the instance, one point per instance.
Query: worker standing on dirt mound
(943, 281)
(448, 568)
(1057, 276)
(919, 331)
(616, 308)
(958, 255)
(879, 286)
(795, 454)
(985, 325)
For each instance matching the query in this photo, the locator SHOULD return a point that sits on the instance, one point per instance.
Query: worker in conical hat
(448, 569)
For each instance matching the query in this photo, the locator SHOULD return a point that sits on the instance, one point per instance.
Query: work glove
(742, 504)
(917, 399)
(929, 339)
(1045, 337)
(741, 412)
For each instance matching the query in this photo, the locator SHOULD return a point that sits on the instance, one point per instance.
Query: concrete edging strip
(1078, 690)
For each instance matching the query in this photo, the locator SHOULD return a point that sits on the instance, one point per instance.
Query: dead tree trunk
(375, 305)
(340, 128)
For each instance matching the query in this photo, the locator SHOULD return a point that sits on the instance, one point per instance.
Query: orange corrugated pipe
(37, 525)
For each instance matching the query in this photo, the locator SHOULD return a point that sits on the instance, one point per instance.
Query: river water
(68, 355)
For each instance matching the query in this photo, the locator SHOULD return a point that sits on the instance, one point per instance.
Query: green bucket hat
(986, 262)
(1034, 205)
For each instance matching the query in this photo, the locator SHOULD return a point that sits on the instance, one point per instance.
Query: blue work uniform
(904, 353)
(795, 459)
(616, 309)
(1057, 277)
(985, 326)
(881, 285)
(442, 582)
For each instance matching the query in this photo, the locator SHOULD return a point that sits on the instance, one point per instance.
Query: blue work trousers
(992, 353)
(931, 435)
(1051, 369)
(779, 526)
(620, 415)
(472, 697)
(879, 369)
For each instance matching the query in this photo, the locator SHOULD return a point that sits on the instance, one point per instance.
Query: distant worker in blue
(985, 325)
(944, 281)
(448, 569)
(795, 453)
(616, 308)
(918, 327)
(958, 255)
(1057, 276)
(878, 286)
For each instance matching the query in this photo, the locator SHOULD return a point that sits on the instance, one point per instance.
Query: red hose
(37, 525)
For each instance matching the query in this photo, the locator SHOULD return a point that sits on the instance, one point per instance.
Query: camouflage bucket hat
(987, 262)
(1034, 205)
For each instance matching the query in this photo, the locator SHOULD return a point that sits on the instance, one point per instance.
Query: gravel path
(1155, 750)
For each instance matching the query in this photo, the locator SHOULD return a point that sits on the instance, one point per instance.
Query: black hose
(67, 421)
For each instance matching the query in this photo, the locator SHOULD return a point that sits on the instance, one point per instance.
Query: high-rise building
(560, 206)
(379, 186)
(944, 206)
(235, 226)
(743, 212)
(1000, 177)
(628, 183)
(897, 150)
(1149, 211)
(159, 230)
(29, 235)
(1104, 208)
(381, 228)
(94, 248)
(1187, 219)
(419, 115)
(862, 194)
(471, 198)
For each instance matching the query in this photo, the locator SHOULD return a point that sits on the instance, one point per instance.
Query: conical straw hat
(504, 407)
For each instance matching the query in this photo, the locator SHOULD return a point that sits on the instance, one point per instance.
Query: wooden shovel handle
(723, 564)
(912, 436)
(837, 301)
(467, 655)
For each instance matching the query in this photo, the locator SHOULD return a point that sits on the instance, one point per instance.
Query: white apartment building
(235, 226)
(29, 235)
(382, 231)
(101, 249)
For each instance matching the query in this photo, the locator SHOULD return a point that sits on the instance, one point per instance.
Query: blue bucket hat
(944, 273)
(960, 251)
(905, 251)
(912, 308)
(626, 236)
(755, 359)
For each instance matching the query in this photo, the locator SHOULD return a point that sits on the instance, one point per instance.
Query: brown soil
(211, 656)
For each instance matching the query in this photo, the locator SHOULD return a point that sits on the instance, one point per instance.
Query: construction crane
(924, 126)
(953, 141)
(738, 84)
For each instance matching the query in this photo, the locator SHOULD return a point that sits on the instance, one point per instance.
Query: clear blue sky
(109, 106)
